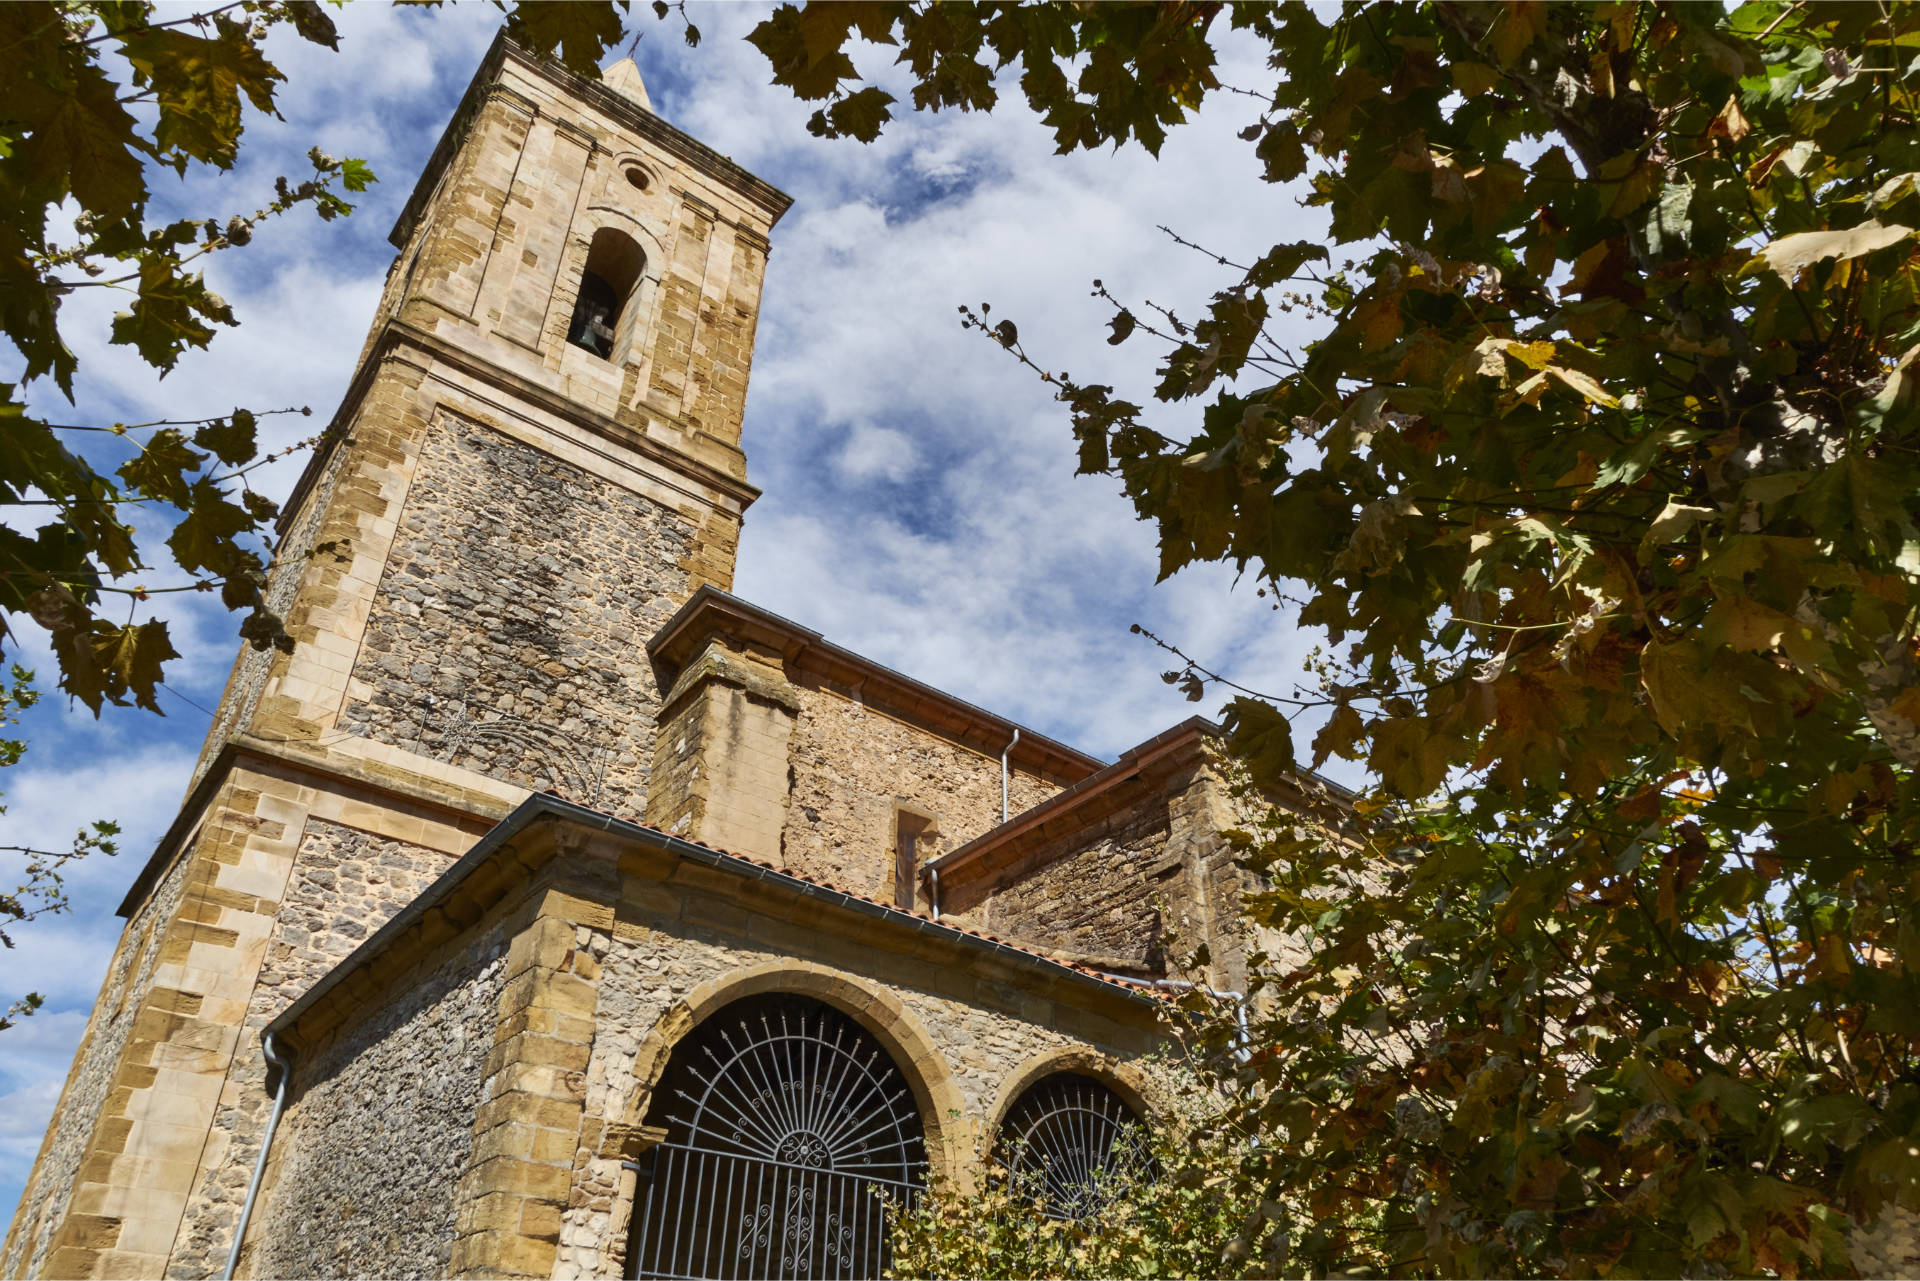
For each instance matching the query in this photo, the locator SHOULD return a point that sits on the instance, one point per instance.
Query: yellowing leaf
(1674, 520)
(1730, 123)
(86, 146)
(1492, 353)
(1585, 265)
(1338, 736)
(1688, 693)
(1790, 255)
(1379, 323)
(1522, 23)
(1636, 189)
(1532, 389)
(1584, 384)
(1534, 355)
(1741, 623)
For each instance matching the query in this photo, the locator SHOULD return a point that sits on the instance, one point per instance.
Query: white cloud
(877, 453)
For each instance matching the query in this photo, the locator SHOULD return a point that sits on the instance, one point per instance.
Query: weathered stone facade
(529, 546)
(42, 1225)
(466, 382)
(506, 633)
(1104, 901)
(854, 765)
(292, 564)
(617, 941)
(344, 885)
(383, 1131)
(812, 752)
(1125, 871)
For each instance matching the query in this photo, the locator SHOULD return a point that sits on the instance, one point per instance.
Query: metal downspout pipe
(1243, 1039)
(1004, 757)
(285, 1068)
(933, 880)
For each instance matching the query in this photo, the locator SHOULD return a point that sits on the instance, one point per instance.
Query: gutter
(545, 805)
(1003, 772)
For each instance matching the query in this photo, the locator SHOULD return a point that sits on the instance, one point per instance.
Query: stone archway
(941, 1107)
(787, 1129)
(1122, 1078)
(880, 1012)
(1070, 1129)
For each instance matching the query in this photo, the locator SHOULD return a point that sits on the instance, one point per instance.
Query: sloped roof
(547, 805)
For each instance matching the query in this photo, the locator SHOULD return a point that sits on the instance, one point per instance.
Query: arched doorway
(787, 1122)
(1070, 1141)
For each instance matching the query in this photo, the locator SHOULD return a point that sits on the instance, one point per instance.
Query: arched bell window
(608, 285)
(787, 1124)
(1071, 1143)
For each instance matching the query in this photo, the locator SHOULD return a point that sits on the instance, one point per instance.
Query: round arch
(611, 244)
(1122, 1078)
(936, 1095)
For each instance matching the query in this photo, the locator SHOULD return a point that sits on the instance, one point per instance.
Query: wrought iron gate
(788, 1127)
(1071, 1141)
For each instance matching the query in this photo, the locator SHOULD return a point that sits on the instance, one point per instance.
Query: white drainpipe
(285, 1068)
(933, 880)
(1242, 1040)
(1003, 773)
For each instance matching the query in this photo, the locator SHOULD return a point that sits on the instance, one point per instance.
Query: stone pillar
(720, 760)
(527, 1132)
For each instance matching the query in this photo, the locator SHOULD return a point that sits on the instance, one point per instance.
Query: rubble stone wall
(290, 569)
(1104, 900)
(380, 1131)
(852, 766)
(980, 1029)
(507, 632)
(345, 885)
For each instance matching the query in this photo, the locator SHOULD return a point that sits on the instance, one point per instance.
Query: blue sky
(920, 505)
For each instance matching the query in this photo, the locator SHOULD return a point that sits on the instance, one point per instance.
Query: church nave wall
(852, 766)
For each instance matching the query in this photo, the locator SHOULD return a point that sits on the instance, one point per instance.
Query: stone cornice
(398, 335)
(318, 764)
(608, 102)
(710, 612)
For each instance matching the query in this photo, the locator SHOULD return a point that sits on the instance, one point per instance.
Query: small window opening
(909, 835)
(609, 282)
(638, 177)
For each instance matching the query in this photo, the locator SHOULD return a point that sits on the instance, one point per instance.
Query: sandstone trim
(607, 101)
(710, 611)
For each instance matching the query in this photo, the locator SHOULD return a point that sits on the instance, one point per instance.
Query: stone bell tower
(538, 461)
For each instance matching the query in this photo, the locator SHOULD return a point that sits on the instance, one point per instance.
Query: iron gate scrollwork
(1070, 1141)
(787, 1123)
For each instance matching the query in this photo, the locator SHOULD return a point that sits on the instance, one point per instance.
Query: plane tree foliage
(103, 107)
(1597, 469)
